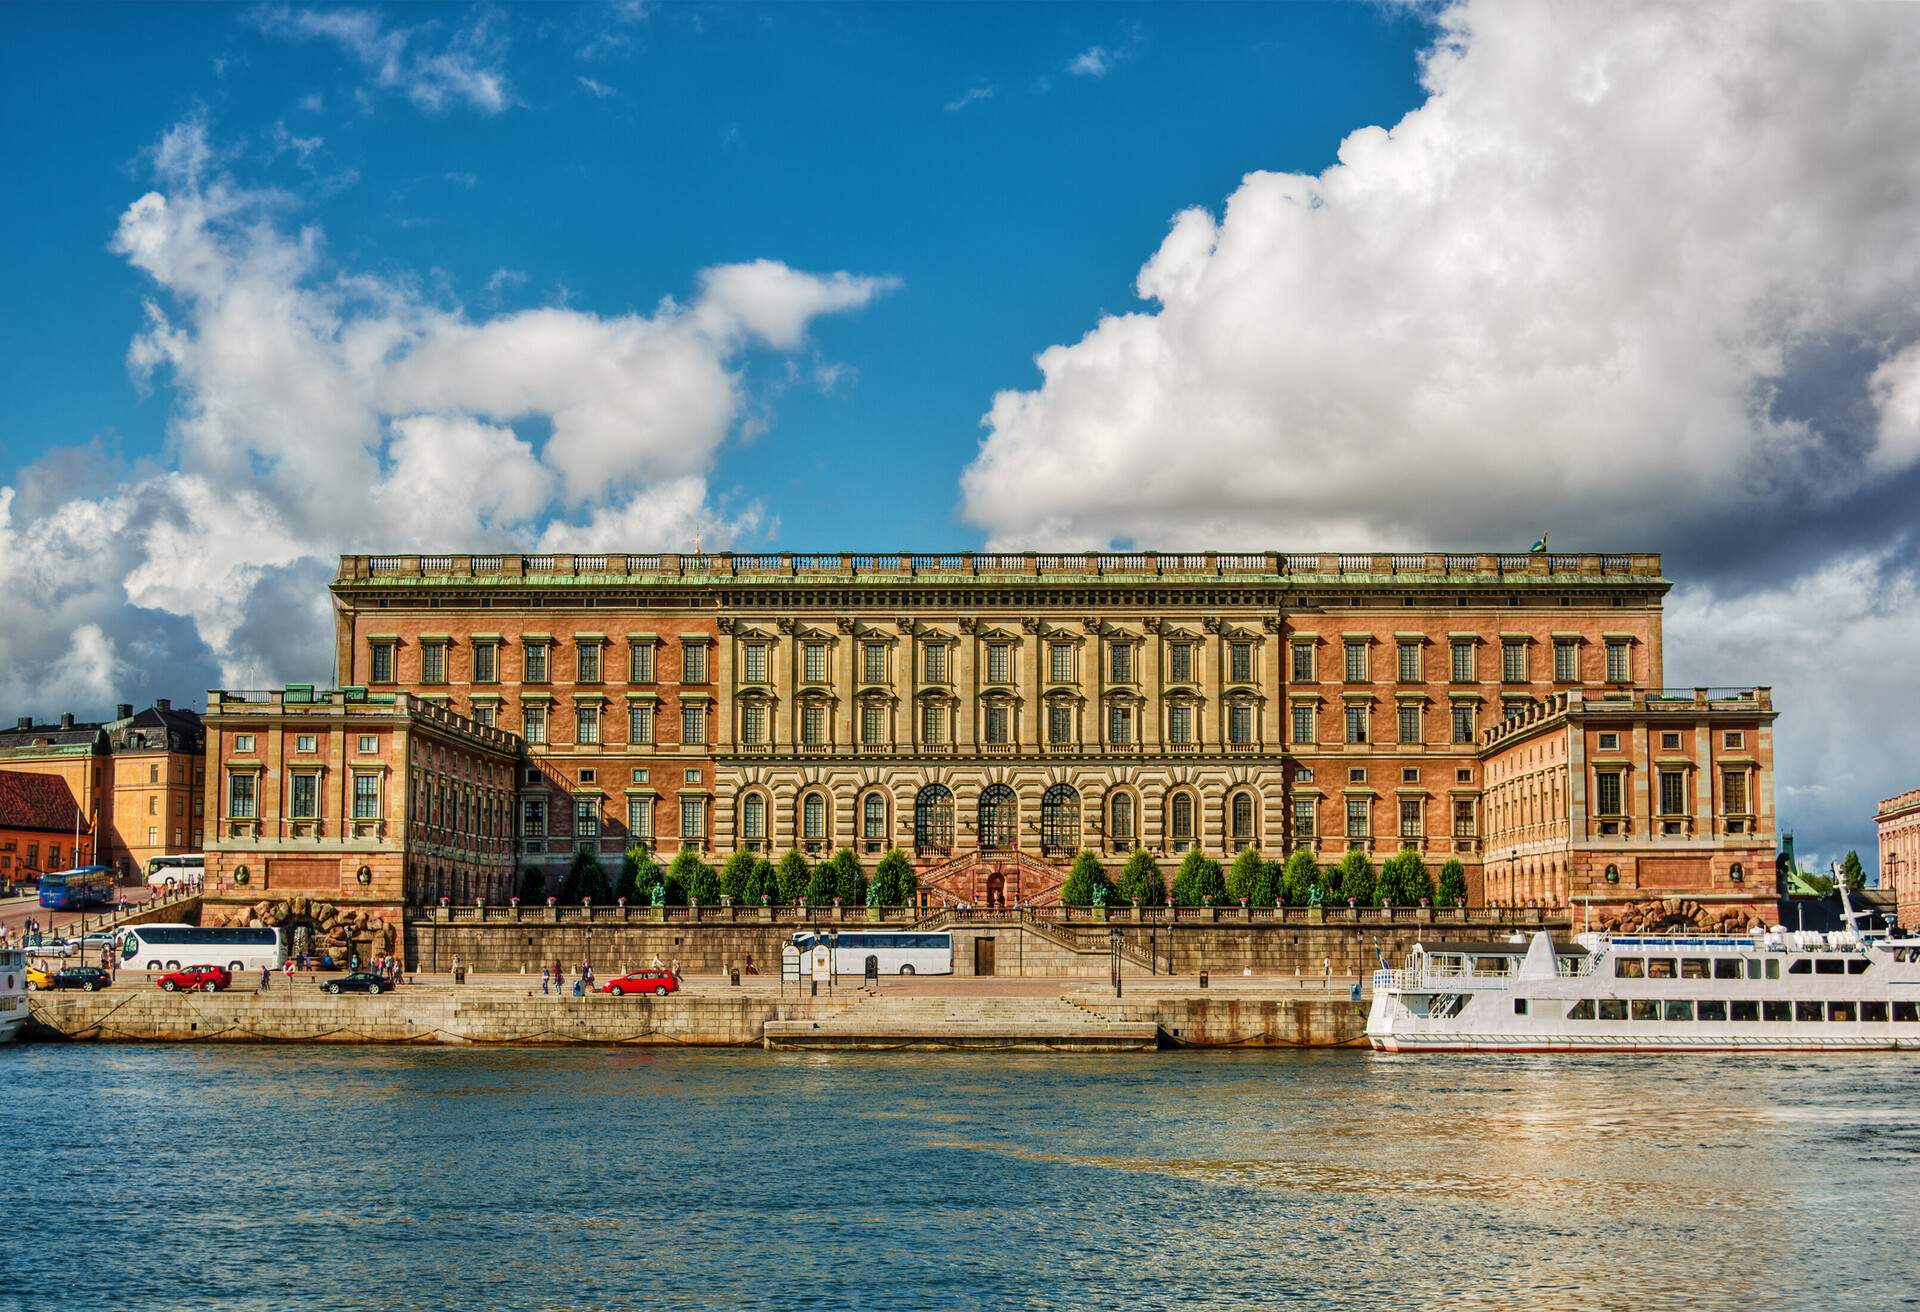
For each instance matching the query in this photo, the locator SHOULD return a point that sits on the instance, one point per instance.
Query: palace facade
(994, 714)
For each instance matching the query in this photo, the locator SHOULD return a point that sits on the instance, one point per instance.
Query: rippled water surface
(348, 1178)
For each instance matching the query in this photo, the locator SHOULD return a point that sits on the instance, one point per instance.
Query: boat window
(1693, 968)
(1841, 1011)
(1679, 1010)
(1808, 1011)
(1773, 969)
(1581, 1010)
(1856, 968)
(1746, 1010)
(1646, 1009)
(1519, 1006)
(1829, 966)
(1727, 968)
(1906, 1013)
(1613, 1009)
(1800, 967)
(1446, 963)
(1873, 1011)
(1776, 1010)
(1710, 1010)
(1629, 968)
(1493, 965)
(1659, 967)
(1754, 964)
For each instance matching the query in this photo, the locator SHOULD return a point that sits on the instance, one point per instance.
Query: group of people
(555, 980)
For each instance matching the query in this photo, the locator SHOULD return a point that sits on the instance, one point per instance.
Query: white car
(52, 947)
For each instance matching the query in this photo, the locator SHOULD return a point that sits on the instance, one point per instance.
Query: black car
(85, 978)
(360, 981)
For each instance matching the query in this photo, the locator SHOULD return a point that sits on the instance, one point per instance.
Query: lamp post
(1113, 954)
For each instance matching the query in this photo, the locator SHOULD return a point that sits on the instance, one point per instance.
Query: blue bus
(76, 890)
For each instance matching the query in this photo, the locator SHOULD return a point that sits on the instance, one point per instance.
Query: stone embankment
(1057, 1016)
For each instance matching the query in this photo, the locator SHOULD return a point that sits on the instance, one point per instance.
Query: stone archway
(331, 929)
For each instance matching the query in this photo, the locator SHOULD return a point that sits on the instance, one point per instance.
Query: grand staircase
(883, 1023)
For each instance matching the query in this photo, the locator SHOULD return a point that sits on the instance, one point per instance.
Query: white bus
(169, 947)
(895, 952)
(187, 870)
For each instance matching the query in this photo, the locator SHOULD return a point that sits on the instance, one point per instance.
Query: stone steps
(1027, 1024)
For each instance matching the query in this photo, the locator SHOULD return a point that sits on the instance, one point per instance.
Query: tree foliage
(762, 883)
(1453, 884)
(793, 874)
(896, 879)
(1356, 877)
(533, 885)
(735, 874)
(1246, 876)
(1141, 880)
(1086, 877)
(1852, 873)
(849, 881)
(689, 879)
(1198, 879)
(640, 873)
(1404, 879)
(1299, 876)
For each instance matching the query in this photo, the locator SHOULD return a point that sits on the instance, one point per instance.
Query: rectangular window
(1120, 662)
(1412, 809)
(1240, 662)
(486, 662)
(693, 819)
(533, 724)
(1669, 742)
(1179, 724)
(873, 724)
(933, 662)
(693, 724)
(586, 724)
(1059, 723)
(1462, 722)
(533, 818)
(1060, 662)
(1240, 724)
(366, 797)
(813, 662)
(1356, 662)
(381, 667)
(1409, 658)
(693, 662)
(1000, 663)
(933, 725)
(753, 663)
(1619, 661)
(1513, 662)
(1180, 663)
(1356, 724)
(1673, 792)
(1608, 792)
(753, 725)
(586, 817)
(1119, 724)
(1745, 1010)
(997, 725)
(433, 662)
(1410, 723)
(1609, 742)
(153, 840)
(1462, 818)
(640, 662)
(813, 725)
(1303, 722)
(640, 819)
(874, 657)
(304, 802)
(306, 744)
(240, 799)
(1463, 671)
(1733, 791)
(1734, 739)
(485, 713)
(1358, 816)
(640, 723)
(536, 663)
(587, 663)
(1303, 662)
(1305, 818)
(1566, 662)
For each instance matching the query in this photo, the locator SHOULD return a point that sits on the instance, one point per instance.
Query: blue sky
(289, 280)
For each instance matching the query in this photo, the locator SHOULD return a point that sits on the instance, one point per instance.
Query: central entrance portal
(983, 956)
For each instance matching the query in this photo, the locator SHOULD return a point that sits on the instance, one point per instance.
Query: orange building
(158, 801)
(1897, 823)
(38, 819)
(75, 753)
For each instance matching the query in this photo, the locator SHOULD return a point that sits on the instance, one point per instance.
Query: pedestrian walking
(266, 978)
(546, 978)
(1326, 967)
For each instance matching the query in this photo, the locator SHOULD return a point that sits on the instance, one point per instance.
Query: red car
(657, 982)
(205, 978)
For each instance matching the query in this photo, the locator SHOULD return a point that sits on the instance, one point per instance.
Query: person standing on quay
(266, 978)
(546, 978)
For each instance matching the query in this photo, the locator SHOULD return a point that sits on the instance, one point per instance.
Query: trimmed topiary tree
(1244, 876)
(1198, 879)
(849, 881)
(1404, 879)
(896, 879)
(820, 885)
(1086, 877)
(735, 874)
(792, 875)
(1266, 888)
(1453, 884)
(533, 885)
(1299, 876)
(690, 879)
(647, 874)
(1356, 877)
(1141, 880)
(763, 883)
(586, 878)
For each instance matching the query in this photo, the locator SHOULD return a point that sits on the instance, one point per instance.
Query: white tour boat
(1779, 989)
(13, 993)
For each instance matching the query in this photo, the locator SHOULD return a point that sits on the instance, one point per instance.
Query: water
(211, 1177)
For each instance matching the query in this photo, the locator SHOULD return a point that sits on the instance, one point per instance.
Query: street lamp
(1114, 938)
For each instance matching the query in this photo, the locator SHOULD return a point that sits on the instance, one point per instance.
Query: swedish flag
(1540, 543)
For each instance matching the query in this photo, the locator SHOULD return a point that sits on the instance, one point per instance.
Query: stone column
(846, 650)
(783, 725)
(1151, 688)
(1093, 677)
(967, 729)
(906, 680)
(1211, 651)
(724, 689)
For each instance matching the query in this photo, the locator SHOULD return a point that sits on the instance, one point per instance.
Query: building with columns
(993, 714)
(1897, 824)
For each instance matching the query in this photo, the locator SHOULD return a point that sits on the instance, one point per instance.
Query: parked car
(99, 938)
(87, 979)
(657, 982)
(205, 978)
(39, 977)
(52, 947)
(360, 981)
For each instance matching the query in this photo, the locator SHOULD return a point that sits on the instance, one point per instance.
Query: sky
(287, 281)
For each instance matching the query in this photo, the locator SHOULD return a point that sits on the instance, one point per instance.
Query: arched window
(1060, 820)
(873, 822)
(933, 820)
(1240, 820)
(753, 820)
(999, 816)
(1180, 823)
(813, 821)
(1120, 827)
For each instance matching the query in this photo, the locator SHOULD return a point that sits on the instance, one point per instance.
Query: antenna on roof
(696, 542)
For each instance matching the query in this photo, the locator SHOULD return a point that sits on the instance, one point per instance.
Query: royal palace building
(994, 714)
